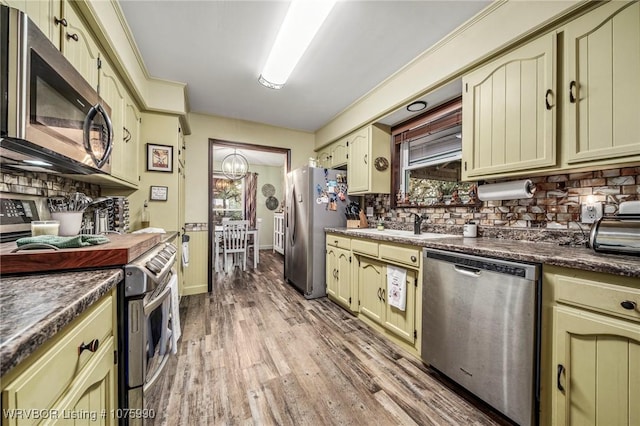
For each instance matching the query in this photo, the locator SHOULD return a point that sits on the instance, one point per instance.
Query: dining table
(218, 240)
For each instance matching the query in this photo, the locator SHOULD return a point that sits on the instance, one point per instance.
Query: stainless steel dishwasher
(480, 325)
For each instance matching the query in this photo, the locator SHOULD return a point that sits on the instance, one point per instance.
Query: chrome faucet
(417, 223)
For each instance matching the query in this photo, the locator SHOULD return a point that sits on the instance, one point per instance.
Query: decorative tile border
(43, 184)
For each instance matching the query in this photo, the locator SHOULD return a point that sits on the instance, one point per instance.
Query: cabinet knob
(414, 259)
(628, 304)
(73, 37)
(92, 346)
(62, 21)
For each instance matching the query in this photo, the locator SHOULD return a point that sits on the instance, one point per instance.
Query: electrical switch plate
(589, 213)
(369, 211)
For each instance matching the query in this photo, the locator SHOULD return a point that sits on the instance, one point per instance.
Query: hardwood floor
(255, 351)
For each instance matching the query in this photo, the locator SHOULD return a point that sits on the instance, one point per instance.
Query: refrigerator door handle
(292, 221)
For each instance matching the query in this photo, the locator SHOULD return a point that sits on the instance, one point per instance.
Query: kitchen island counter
(33, 308)
(526, 251)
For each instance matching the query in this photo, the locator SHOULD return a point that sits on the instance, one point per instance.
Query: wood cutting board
(121, 249)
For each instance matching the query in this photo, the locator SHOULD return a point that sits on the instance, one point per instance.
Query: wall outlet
(369, 211)
(589, 213)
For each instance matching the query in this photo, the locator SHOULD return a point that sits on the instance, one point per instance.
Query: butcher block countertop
(33, 308)
(121, 250)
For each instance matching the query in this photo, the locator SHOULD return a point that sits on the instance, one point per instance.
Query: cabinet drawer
(406, 255)
(598, 296)
(365, 247)
(337, 241)
(42, 383)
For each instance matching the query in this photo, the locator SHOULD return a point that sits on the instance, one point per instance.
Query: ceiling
(219, 47)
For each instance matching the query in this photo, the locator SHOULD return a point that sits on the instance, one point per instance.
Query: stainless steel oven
(51, 118)
(147, 330)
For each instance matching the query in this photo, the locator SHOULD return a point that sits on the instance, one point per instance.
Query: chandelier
(235, 166)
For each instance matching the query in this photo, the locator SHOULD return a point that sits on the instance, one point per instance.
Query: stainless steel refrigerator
(307, 214)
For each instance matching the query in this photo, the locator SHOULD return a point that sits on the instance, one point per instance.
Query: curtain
(251, 186)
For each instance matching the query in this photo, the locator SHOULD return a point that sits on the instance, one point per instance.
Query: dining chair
(254, 244)
(234, 241)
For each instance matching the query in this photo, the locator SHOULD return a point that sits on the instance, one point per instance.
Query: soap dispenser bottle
(146, 217)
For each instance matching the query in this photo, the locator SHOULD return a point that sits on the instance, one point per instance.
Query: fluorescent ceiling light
(300, 25)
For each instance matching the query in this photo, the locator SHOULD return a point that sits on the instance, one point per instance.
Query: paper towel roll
(507, 190)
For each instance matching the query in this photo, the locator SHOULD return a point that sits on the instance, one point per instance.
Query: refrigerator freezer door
(297, 226)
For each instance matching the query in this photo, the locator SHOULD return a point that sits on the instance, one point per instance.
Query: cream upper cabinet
(323, 157)
(339, 153)
(113, 93)
(602, 84)
(365, 145)
(45, 14)
(78, 45)
(509, 111)
(132, 145)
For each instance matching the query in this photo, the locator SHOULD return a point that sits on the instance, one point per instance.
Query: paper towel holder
(514, 190)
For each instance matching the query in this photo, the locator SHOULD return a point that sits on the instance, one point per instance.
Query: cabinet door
(339, 153)
(402, 323)
(359, 160)
(132, 122)
(78, 45)
(44, 14)
(343, 278)
(371, 281)
(323, 158)
(113, 93)
(603, 83)
(509, 108)
(331, 274)
(94, 390)
(597, 363)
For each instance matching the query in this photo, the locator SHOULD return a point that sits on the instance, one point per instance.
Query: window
(228, 199)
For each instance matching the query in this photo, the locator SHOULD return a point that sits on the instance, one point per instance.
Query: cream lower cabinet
(602, 84)
(61, 381)
(591, 349)
(341, 288)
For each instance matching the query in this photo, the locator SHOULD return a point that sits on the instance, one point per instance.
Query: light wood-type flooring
(255, 352)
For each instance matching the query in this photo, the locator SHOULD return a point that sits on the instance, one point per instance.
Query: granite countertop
(520, 250)
(33, 308)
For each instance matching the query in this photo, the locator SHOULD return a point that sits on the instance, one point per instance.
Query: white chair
(234, 241)
(254, 244)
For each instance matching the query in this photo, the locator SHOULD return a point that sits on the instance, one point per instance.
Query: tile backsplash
(554, 206)
(43, 184)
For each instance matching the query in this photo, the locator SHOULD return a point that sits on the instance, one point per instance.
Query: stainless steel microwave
(51, 119)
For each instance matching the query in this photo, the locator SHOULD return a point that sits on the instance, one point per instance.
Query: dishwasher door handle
(472, 272)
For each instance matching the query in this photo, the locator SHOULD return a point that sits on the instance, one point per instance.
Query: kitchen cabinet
(278, 233)
(602, 84)
(509, 108)
(334, 155)
(45, 14)
(338, 274)
(365, 146)
(60, 376)
(132, 145)
(78, 46)
(593, 376)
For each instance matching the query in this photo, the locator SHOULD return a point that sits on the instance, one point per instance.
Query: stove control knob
(153, 266)
(171, 248)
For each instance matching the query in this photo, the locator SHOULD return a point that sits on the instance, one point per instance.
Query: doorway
(257, 195)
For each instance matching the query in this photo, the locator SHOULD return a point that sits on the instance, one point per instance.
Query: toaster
(618, 234)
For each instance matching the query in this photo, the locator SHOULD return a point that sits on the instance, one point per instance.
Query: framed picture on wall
(159, 158)
(159, 193)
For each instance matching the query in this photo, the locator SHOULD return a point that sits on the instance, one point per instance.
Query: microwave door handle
(95, 110)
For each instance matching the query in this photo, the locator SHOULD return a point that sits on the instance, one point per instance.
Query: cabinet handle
(384, 294)
(379, 294)
(572, 87)
(366, 158)
(546, 99)
(414, 259)
(628, 304)
(62, 21)
(337, 275)
(73, 36)
(560, 371)
(92, 346)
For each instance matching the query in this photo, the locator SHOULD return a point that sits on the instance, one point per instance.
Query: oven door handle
(157, 374)
(157, 301)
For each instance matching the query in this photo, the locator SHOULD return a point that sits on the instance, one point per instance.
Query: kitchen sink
(402, 233)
